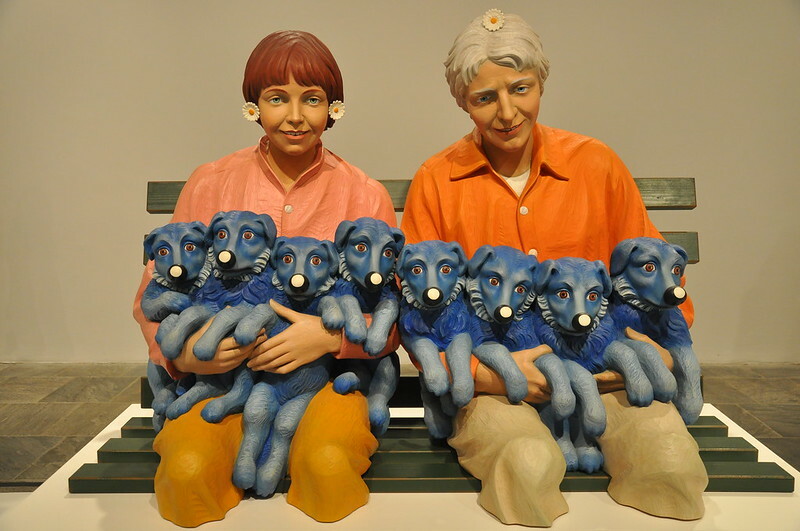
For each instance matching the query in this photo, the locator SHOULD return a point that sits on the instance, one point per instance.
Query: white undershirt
(517, 183)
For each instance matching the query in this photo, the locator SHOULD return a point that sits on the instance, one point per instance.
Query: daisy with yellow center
(250, 112)
(336, 110)
(493, 20)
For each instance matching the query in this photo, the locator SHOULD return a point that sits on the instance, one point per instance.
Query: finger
(286, 369)
(284, 312)
(269, 356)
(273, 342)
(534, 353)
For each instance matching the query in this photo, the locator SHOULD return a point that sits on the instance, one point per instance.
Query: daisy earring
(336, 110)
(250, 112)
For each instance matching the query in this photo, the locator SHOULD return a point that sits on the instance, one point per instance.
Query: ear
(533, 265)
(279, 242)
(343, 233)
(681, 251)
(149, 240)
(201, 231)
(621, 254)
(602, 272)
(399, 238)
(456, 249)
(333, 256)
(544, 273)
(219, 216)
(270, 231)
(401, 261)
(478, 259)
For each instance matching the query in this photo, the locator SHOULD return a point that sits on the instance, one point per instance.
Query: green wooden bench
(407, 460)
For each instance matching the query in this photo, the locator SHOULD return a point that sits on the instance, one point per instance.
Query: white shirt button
(523, 210)
(288, 209)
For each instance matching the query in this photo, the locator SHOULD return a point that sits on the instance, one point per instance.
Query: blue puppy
(305, 270)
(368, 250)
(182, 265)
(646, 273)
(434, 317)
(501, 289)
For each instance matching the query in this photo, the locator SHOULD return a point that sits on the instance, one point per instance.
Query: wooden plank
(687, 240)
(658, 193)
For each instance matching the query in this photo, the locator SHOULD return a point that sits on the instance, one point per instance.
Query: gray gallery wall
(98, 97)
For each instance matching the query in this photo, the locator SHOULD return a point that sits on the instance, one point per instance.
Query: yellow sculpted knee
(193, 481)
(329, 453)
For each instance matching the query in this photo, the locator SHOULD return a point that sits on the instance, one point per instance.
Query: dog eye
(592, 296)
(316, 260)
(649, 267)
(417, 270)
(361, 248)
(222, 234)
(248, 235)
(520, 289)
(189, 247)
(388, 253)
(676, 270)
(494, 281)
(288, 259)
(446, 269)
(163, 251)
(562, 294)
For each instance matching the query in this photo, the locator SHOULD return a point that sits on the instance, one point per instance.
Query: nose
(298, 283)
(373, 281)
(674, 295)
(582, 322)
(226, 259)
(506, 109)
(294, 116)
(503, 314)
(177, 273)
(432, 296)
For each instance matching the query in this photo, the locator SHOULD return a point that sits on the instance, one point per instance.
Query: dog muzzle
(298, 283)
(373, 281)
(226, 259)
(432, 297)
(582, 323)
(674, 295)
(177, 273)
(503, 314)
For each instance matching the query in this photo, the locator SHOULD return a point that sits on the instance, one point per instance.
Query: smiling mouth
(294, 133)
(507, 130)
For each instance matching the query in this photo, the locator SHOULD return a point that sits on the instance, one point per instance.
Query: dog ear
(401, 261)
(544, 273)
(270, 230)
(149, 240)
(333, 256)
(343, 233)
(533, 264)
(475, 264)
(273, 261)
(621, 254)
(602, 272)
(219, 216)
(399, 238)
(681, 251)
(201, 231)
(455, 248)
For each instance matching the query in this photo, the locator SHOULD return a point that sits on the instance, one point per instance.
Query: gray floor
(48, 411)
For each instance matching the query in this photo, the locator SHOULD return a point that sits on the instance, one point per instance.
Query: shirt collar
(469, 157)
(311, 172)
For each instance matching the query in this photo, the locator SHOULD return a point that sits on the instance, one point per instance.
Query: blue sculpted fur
(646, 273)
(368, 250)
(434, 317)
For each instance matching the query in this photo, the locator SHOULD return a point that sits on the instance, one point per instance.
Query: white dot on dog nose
(584, 320)
(505, 312)
(376, 278)
(434, 294)
(175, 271)
(679, 292)
(533, 252)
(297, 281)
(224, 257)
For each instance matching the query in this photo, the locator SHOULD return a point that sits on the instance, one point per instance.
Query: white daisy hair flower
(336, 109)
(493, 20)
(250, 112)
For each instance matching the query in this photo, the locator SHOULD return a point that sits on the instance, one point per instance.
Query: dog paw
(214, 411)
(374, 344)
(244, 473)
(639, 393)
(346, 383)
(379, 419)
(437, 381)
(590, 459)
(355, 332)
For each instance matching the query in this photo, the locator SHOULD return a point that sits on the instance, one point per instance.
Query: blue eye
(521, 90)
(274, 100)
(484, 99)
(314, 100)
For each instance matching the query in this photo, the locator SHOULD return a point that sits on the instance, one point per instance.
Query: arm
(488, 382)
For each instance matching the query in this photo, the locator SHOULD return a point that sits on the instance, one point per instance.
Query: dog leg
(496, 357)
(355, 376)
(223, 325)
(589, 407)
(156, 307)
(440, 425)
(233, 401)
(458, 354)
(590, 459)
(189, 321)
(259, 412)
(562, 397)
(689, 398)
(383, 318)
(331, 313)
(433, 372)
(262, 317)
(560, 428)
(206, 386)
(381, 389)
(622, 359)
(663, 382)
(355, 326)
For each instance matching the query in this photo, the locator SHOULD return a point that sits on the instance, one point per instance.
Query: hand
(609, 381)
(488, 382)
(229, 354)
(305, 340)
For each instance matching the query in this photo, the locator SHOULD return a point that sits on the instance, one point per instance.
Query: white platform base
(51, 506)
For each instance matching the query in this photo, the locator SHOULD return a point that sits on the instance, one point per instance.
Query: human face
(293, 117)
(504, 105)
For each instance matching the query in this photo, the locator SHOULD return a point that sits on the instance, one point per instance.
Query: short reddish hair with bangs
(296, 54)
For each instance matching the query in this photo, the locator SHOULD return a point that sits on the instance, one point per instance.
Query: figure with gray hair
(551, 193)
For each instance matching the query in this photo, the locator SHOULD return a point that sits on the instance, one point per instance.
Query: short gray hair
(515, 45)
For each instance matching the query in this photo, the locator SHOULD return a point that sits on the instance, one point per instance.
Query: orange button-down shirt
(580, 200)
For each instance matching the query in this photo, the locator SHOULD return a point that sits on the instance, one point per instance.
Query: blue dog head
(179, 251)
(647, 271)
(573, 293)
(304, 267)
(500, 283)
(432, 273)
(242, 242)
(368, 249)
